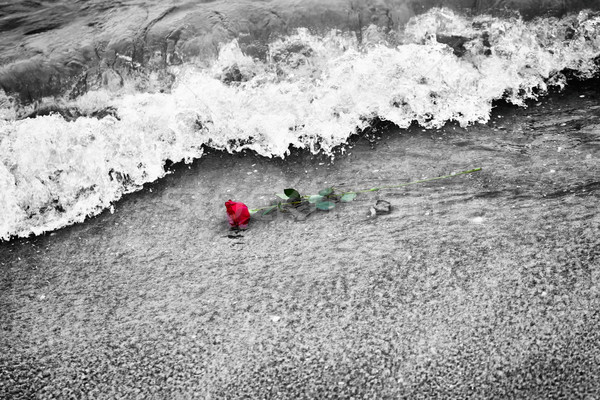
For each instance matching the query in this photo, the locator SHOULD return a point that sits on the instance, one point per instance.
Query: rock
(382, 207)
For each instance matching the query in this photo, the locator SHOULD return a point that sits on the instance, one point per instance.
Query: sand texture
(480, 286)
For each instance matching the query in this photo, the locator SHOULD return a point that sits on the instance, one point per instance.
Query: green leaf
(326, 192)
(281, 196)
(348, 197)
(325, 205)
(373, 190)
(316, 198)
(292, 193)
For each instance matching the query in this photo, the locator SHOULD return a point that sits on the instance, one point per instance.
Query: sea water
(311, 91)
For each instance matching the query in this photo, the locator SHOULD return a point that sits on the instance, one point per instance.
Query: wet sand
(481, 286)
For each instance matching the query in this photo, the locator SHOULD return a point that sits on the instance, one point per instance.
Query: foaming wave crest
(312, 92)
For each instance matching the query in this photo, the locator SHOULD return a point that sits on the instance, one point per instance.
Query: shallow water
(114, 127)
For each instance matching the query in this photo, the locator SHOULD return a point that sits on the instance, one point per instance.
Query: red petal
(237, 214)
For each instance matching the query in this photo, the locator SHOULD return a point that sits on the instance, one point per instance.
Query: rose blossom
(237, 214)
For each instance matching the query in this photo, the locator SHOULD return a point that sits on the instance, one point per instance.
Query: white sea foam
(312, 92)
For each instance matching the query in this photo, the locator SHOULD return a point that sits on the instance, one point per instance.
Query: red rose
(237, 214)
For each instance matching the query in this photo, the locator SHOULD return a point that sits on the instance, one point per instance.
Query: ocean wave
(311, 92)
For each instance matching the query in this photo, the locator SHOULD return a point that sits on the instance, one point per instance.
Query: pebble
(382, 207)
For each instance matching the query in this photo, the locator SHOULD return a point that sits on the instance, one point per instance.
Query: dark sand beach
(480, 286)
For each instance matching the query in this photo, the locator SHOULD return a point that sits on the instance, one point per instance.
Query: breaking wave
(312, 92)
